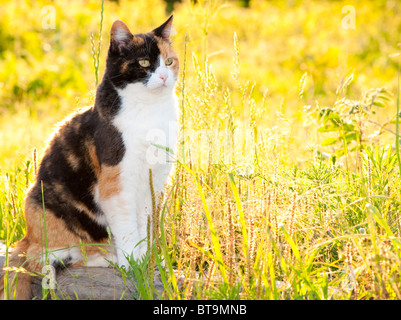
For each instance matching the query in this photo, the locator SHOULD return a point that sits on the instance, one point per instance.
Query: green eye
(168, 62)
(144, 63)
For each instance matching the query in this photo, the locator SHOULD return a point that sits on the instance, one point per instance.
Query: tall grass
(252, 228)
(287, 197)
(319, 231)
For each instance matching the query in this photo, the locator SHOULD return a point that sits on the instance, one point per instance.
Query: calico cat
(94, 174)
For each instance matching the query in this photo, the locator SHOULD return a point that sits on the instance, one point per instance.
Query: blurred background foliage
(47, 72)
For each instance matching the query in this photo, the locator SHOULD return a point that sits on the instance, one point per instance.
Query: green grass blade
(241, 215)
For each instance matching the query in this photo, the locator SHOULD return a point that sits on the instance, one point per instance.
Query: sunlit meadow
(287, 181)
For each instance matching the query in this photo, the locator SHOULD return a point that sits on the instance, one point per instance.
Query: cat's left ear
(165, 29)
(120, 36)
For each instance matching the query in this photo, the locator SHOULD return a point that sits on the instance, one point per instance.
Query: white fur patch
(156, 79)
(76, 254)
(59, 255)
(120, 34)
(147, 116)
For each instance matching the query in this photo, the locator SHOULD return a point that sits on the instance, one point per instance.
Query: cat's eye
(144, 63)
(168, 62)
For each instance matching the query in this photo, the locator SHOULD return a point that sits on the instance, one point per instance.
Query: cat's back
(68, 150)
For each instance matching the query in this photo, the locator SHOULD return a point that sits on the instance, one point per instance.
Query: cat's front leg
(122, 219)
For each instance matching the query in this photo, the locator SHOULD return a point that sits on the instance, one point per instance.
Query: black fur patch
(109, 145)
(60, 265)
(133, 52)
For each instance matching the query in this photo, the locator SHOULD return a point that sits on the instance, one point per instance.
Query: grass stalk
(96, 52)
(397, 119)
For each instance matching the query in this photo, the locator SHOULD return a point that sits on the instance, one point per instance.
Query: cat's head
(143, 61)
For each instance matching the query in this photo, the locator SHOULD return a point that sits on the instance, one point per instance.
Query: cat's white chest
(144, 126)
(149, 129)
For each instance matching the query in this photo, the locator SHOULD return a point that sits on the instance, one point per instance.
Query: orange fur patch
(109, 181)
(124, 66)
(58, 235)
(167, 51)
(137, 40)
(73, 161)
(93, 157)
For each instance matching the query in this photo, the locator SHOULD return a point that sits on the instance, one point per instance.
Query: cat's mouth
(158, 87)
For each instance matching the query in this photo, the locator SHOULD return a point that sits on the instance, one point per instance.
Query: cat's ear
(165, 29)
(120, 36)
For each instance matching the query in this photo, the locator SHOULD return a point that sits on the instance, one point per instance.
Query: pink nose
(163, 77)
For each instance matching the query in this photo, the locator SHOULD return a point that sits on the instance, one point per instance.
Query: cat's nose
(163, 76)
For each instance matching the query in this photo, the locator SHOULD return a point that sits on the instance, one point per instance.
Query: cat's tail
(15, 280)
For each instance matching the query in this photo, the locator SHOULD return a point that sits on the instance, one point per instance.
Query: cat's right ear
(120, 37)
